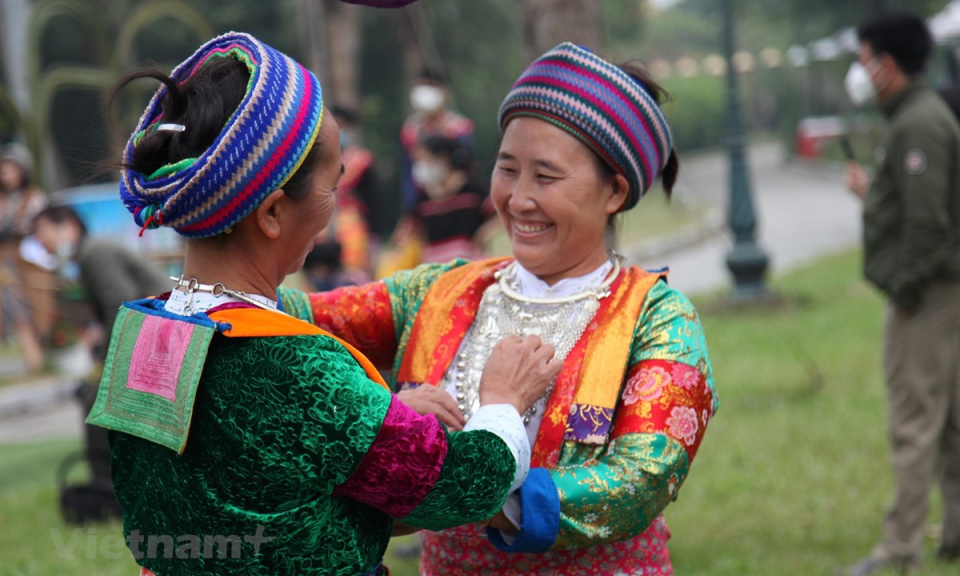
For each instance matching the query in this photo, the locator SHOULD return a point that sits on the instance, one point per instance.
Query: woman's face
(11, 176)
(553, 200)
(314, 212)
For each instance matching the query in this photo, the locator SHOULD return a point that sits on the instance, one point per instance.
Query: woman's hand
(427, 399)
(500, 522)
(518, 372)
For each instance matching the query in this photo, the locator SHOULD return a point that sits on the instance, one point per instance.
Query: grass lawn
(792, 478)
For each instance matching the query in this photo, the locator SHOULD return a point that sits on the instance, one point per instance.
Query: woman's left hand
(427, 399)
(501, 522)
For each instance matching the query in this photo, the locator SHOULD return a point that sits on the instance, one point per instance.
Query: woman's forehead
(537, 140)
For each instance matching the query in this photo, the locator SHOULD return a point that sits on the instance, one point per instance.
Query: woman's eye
(546, 177)
(507, 170)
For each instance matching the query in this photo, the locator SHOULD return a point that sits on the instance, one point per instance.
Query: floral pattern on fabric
(669, 329)
(612, 488)
(464, 551)
(619, 494)
(295, 303)
(278, 424)
(666, 398)
(361, 315)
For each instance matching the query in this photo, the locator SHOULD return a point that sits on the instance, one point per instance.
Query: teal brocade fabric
(277, 425)
(459, 496)
(266, 448)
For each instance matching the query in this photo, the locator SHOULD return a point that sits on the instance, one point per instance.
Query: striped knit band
(602, 106)
(258, 150)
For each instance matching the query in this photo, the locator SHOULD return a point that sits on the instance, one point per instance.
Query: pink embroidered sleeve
(402, 465)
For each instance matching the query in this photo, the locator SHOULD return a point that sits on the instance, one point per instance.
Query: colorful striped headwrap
(602, 106)
(258, 150)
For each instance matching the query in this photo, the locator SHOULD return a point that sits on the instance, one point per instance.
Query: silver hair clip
(170, 128)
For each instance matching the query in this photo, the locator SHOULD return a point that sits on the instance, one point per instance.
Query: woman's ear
(621, 189)
(268, 214)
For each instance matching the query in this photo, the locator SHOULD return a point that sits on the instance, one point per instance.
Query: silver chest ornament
(504, 312)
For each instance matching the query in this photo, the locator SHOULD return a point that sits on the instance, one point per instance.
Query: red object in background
(813, 133)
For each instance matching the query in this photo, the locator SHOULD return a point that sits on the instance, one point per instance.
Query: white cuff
(513, 512)
(504, 421)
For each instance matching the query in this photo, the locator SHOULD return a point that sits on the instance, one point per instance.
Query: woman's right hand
(518, 372)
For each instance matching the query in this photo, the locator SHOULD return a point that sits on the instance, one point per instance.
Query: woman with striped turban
(244, 440)
(613, 438)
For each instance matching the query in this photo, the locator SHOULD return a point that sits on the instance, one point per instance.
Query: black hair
(902, 35)
(324, 254)
(203, 104)
(452, 149)
(351, 115)
(668, 176)
(435, 75)
(59, 214)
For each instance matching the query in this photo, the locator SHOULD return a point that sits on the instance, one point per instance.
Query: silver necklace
(504, 311)
(217, 290)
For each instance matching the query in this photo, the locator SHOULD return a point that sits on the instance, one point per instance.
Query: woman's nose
(521, 199)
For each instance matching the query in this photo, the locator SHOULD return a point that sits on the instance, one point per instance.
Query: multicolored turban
(258, 150)
(599, 104)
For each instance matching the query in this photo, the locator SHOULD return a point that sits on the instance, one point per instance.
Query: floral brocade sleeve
(373, 317)
(666, 401)
(367, 445)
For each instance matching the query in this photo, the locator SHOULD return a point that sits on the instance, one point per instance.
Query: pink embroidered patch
(158, 356)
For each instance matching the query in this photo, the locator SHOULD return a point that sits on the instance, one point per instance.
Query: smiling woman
(228, 416)
(615, 434)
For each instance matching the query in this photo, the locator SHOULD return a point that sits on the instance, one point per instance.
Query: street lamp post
(746, 261)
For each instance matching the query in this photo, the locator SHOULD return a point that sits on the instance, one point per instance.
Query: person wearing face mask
(911, 222)
(451, 210)
(431, 117)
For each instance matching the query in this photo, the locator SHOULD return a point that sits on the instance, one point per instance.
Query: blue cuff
(540, 520)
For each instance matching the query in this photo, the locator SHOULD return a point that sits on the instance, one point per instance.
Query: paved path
(804, 212)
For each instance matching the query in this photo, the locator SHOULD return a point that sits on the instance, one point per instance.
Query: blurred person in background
(20, 201)
(110, 275)
(452, 211)
(911, 223)
(429, 98)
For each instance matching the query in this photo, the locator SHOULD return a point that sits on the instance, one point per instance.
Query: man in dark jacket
(911, 227)
(110, 274)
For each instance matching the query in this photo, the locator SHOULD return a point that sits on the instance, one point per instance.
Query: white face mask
(860, 87)
(429, 176)
(426, 98)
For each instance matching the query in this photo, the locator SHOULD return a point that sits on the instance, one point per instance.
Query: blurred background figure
(110, 274)
(345, 249)
(429, 98)
(19, 203)
(452, 213)
(911, 224)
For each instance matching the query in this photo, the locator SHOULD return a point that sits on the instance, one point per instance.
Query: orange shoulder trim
(260, 323)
